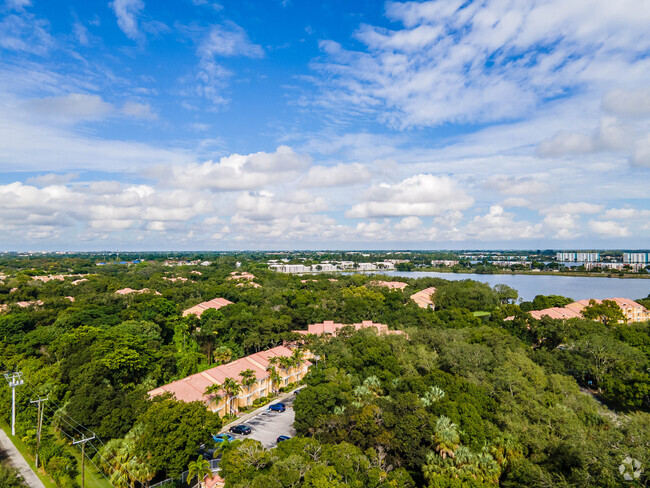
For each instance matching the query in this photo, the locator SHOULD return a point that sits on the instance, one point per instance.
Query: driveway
(267, 426)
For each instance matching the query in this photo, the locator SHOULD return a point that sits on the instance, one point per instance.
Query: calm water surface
(569, 286)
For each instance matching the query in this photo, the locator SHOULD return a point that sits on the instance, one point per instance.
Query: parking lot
(267, 426)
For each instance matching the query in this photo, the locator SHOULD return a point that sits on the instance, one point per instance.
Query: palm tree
(446, 437)
(505, 450)
(373, 384)
(285, 362)
(274, 377)
(214, 392)
(232, 389)
(490, 469)
(222, 355)
(437, 466)
(363, 395)
(198, 469)
(141, 471)
(433, 395)
(297, 357)
(248, 379)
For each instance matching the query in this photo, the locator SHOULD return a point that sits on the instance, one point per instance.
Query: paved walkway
(18, 461)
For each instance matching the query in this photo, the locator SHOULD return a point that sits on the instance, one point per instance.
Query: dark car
(278, 407)
(223, 438)
(241, 429)
(283, 438)
(207, 454)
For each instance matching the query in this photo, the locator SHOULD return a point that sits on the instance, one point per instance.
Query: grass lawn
(480, 314)
(93, 477)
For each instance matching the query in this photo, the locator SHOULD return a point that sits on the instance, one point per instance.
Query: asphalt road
(267, 426)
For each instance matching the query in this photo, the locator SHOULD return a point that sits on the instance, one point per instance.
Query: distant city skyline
(280, 124)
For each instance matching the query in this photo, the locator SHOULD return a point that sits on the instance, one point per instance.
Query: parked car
(223, 438)
(241, 429)
(207, 454)
(283, 438)
(277, 407)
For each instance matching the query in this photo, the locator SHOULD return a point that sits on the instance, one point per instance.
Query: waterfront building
(633, 311)
(578, 257)
(636, 257)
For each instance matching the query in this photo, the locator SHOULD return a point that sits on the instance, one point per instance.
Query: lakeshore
(532, 284)
(577, 274)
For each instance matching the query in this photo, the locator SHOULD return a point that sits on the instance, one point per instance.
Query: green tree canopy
(173, 431)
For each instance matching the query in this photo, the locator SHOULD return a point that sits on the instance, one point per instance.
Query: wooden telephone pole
(39, 423)
(83, 457)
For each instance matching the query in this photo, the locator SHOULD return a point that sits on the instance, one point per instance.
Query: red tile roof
(423, 298)
(393, 285)
(215, 303)
(192, 388)
(574, 309)
(128, 291)
(332, 328)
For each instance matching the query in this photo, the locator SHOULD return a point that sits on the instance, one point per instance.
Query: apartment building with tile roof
(329, 327)
(192, 388)
(128, 291)
(215, 303)
(633, 311)
(423, 298)
(392, 285)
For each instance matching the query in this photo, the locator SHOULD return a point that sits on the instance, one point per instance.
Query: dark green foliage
(541, 302)
(307, 463)
(373, 405)
(468, 294)
(608, 312)
(11, 477)
(173, 431)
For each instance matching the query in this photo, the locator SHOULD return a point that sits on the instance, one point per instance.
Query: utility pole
(14, 380)
(39, 423)
(83, 441)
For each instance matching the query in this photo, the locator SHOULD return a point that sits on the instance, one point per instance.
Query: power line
(83, 457)
(39, 424)
(59, 413)
(89, 458)
(116, 471)
(100, 471)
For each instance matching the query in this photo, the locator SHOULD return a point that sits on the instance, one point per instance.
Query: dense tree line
(466, 398)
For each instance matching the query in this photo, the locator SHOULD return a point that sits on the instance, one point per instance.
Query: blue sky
(193, 124)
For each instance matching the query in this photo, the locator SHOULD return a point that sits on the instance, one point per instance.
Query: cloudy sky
(192, 124)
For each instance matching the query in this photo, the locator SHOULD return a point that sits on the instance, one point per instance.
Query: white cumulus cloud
(339, 175)
(235, 172)
(419, 195)
(608, 228)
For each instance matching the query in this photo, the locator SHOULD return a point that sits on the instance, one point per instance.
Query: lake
(530, 285)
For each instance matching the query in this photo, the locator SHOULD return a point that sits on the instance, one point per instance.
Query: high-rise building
(579, 257)
(636, 257)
